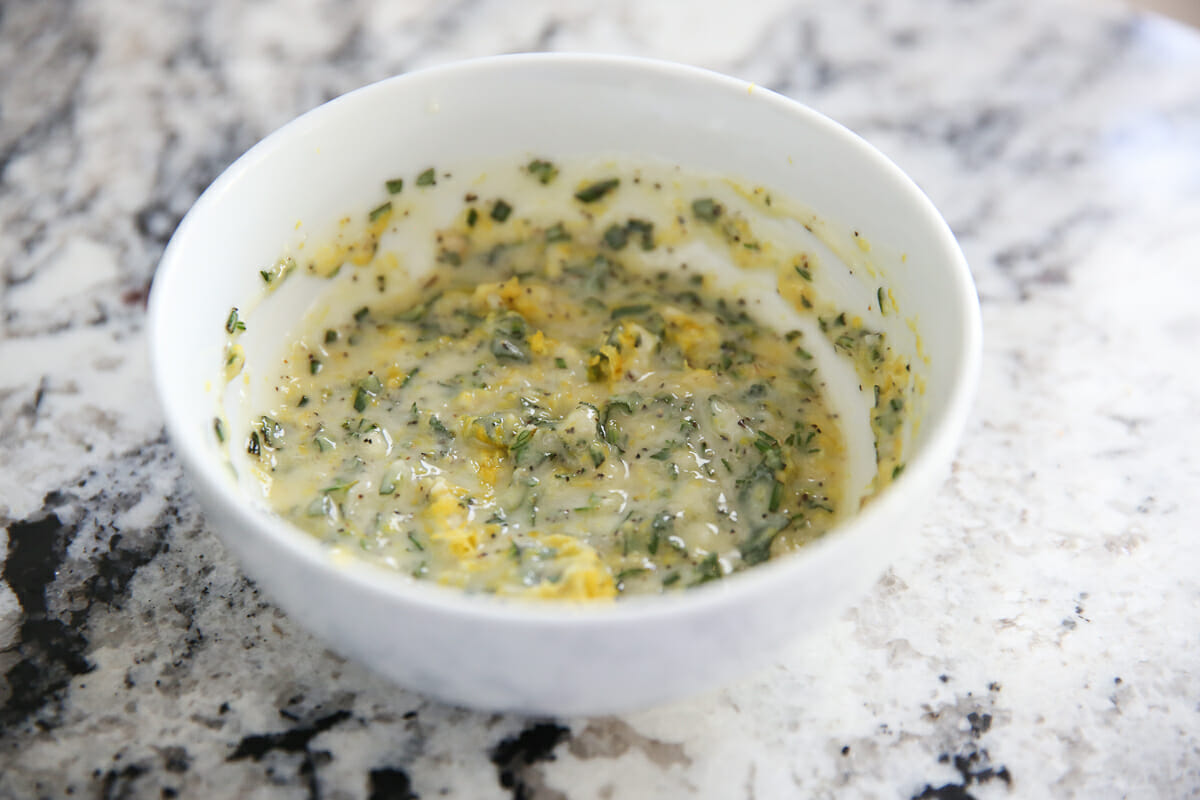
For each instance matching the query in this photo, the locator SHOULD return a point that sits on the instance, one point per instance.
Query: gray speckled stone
(1040, 639)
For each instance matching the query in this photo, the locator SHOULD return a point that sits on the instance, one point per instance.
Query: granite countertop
(1042, 636)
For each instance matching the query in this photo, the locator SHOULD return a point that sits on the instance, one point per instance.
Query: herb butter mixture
(540, 419)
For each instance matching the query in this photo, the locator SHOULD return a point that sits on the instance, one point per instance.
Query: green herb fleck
(520, 443)
(629, 311)
(380, 211)
(803, 272)
(757, 548)
(472, 217)
(665, 453)
(544, 171)
(395, 185)
(879, 294)
(266, 275)
(616, 237)
(594, 191)
(629, 573)
(232, 323)
(557, 233)
(561, 363)
(776, 496)
(439, 428)
(427, 178)
(412, 537)
(500, 211)
(708, 569)
(331, 336)
(707, 209)
(361, 314)
(219, 429)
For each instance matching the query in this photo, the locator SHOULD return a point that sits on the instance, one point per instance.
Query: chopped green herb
(439, 428)
(776, 496)
(412, 537)
(266, 275)
(331, 336)
(323, 442)
(557, 233)
(757, 548)
(896, 470)
(643, 230)
(629, 573)
(395, 185)
(314, 366)
(561, 363)
(616, 237)
(371, 384)
(879, 294)
(380, 211)
(232, 323)
(472, 217)
(427, 178)
(629, 311)
(544, 171)
(665, 453)
(521, 442)
(594, 191)
(596, 452)
(803, 272)
(219, 429)
(500, 211)
(361, 314)
(706, 208)
(708, 569)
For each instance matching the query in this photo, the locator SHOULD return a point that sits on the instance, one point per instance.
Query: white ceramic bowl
(559, 659)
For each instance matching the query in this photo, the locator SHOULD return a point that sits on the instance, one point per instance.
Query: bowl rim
(926, 465)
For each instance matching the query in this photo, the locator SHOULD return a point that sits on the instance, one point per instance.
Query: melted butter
(546, 410)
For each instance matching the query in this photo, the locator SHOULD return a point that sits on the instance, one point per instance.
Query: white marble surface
(1041, 640)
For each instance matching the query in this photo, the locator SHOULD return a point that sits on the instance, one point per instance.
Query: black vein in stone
(515, 755)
